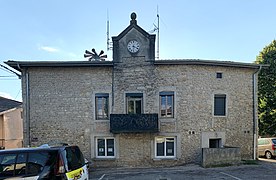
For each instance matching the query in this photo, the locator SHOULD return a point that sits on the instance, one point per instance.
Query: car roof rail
(54, 143)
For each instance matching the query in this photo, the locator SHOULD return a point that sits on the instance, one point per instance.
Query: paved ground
(265, 169)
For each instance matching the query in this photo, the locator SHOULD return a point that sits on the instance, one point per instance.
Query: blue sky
(230, 30)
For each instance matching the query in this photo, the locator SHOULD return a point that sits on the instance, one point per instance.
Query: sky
(61, 30)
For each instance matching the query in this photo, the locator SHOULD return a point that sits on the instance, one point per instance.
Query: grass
(250, 162)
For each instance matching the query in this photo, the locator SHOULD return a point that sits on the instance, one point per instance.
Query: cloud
(49, 49)
(61, 52)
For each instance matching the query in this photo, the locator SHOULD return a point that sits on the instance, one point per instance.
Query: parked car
(63, 162)
(267, 147)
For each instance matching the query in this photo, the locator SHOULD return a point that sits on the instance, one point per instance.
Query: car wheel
(268, 155)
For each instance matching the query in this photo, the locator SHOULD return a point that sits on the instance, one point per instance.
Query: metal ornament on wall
(93, 56)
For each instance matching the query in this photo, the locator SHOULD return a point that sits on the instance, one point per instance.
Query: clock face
(133, 46)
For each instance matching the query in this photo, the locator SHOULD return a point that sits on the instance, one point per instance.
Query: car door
(261, 147)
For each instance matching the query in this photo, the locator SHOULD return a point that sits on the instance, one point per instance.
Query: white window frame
(165, 148)
(105, 149)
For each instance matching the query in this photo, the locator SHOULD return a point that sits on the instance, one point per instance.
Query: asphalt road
(264, 169)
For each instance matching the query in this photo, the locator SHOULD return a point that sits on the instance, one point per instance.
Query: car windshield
(74, 158)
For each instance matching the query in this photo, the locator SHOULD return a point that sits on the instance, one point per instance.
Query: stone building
(138, 111)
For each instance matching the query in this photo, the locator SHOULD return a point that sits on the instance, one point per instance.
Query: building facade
(11, 124)
(138, 111)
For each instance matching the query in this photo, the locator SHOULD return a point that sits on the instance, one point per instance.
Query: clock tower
(133, 42)
(133, 69)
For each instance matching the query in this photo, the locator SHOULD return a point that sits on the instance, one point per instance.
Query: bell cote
(133, 42)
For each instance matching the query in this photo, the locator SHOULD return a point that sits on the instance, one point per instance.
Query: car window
(273, 141)
(74, 158)
(20, 166)
(267, 142)
(37, 160)
(7, 164)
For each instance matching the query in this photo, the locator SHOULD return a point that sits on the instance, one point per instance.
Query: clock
(133, 46)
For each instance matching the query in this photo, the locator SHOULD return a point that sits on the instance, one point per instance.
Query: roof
(209, 63)
(6, 104)
(19, 65)
(35, 149)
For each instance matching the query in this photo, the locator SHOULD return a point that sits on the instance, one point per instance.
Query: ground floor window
(165, 147)
(215, 143)
(105, 147)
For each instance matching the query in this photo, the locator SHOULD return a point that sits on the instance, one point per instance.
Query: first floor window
(105, 147)
(165, 147)
(167, 104)
(134, 103)
(220, 105)
(101, 106)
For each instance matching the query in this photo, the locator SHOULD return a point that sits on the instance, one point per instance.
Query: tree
(267, 91)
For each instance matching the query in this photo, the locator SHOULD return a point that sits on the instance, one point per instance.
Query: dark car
(63, 162)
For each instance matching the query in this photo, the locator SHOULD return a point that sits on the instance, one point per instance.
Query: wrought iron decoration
(93, 56)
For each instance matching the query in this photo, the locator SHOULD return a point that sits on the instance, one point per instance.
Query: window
(74, 158)
(166, 104)
(214, 143)
(219, 75)
(165, 147)
(105, 147)
(101, 106)
(220, 105)
(22, 164)
(37, 160)
(134, 103)
(7, 165)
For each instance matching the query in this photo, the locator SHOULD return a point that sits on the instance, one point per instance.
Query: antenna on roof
(108, 43)
(156, 28)
(158, 31)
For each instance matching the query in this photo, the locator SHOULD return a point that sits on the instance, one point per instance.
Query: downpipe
(255, 108)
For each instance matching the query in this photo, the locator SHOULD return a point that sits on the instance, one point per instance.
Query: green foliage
(267, 91)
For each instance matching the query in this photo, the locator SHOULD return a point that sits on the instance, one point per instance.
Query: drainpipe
(112, 93)
(255, 108)
(27, 109)
(27, 105)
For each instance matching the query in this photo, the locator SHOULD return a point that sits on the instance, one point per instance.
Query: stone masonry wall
(61, 104)
(195, 88)
(62, 108)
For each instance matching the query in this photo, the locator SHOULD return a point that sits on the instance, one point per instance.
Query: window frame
(105, 98)
(105, 148)
(135, 97)
(165, 139)
(216, 111)
(166, 94)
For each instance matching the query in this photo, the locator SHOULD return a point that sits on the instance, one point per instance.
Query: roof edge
(10, 110)
(19, 65)
(209, 63)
